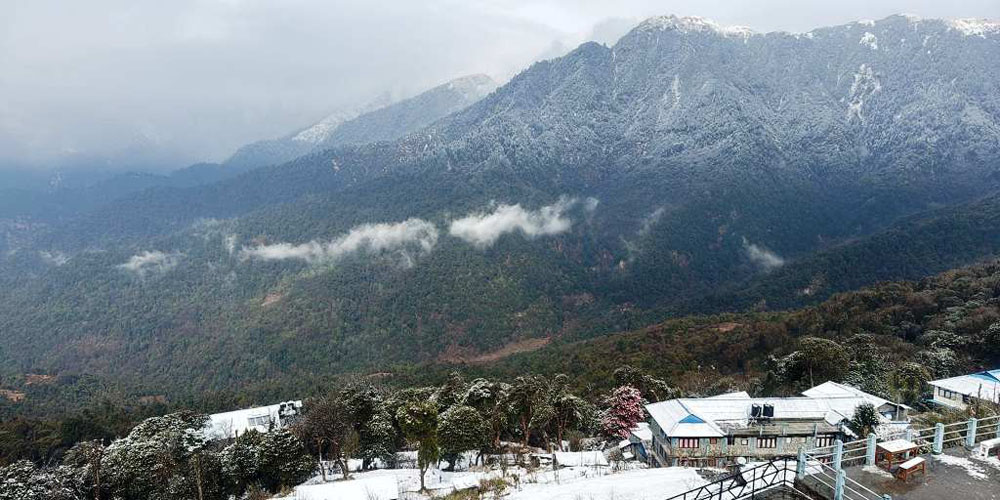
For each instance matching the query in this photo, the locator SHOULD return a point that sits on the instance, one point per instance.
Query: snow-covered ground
(583, 484)
(568, 483)
(975, 470)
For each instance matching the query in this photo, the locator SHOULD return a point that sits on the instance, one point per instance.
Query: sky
(152, 84)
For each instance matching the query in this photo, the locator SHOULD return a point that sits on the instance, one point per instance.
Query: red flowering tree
(623, 413)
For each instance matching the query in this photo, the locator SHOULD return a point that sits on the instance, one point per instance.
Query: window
(767, 442)
(730, 440)
(824, 441)
(713, 441)
(945, 393)
(687, 443)
(261, 421)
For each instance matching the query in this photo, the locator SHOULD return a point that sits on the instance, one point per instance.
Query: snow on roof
(732, 395)
(233, 423)
(366, 488)
(712, 417)
(642, 432)
(982, 385)
(836, 390)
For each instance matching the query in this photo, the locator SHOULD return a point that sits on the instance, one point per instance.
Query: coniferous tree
(460, 429)
(419, 422)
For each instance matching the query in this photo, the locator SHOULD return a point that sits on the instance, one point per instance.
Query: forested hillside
(688, 168)
(888, 339)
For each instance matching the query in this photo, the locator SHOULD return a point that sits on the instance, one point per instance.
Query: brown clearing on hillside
(12, 395)
(526, 345)
(37, 378)
(271, 298)
(726, 327)
(155, 398)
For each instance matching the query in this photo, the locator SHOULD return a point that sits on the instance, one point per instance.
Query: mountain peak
(693, 24)
(473, 86)
(975, 27)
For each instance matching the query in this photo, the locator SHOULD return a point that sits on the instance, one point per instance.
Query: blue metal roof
(691, 419)
(991, 375)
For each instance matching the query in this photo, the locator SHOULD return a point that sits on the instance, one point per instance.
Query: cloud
(482, 230)
(650, 220)
(762, 257)
(230, 243)
(54, 258)
(155, 262)
(405, 237)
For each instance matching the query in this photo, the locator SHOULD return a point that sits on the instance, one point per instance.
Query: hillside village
(684, 262)
(530, 438)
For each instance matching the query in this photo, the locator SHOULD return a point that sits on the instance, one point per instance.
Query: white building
(719, 430)
(958, 392)
(891, 412)
(262, 418)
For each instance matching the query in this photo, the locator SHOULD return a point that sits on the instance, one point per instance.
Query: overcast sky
(178, 81)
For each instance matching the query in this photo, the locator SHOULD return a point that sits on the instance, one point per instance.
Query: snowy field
(566, 483)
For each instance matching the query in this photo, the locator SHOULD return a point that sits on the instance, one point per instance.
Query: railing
(744, 483)
(822, 469)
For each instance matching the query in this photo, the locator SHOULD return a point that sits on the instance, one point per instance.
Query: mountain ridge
(713, 162)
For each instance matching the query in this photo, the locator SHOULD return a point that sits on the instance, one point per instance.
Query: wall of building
(720, 451)
(949, 398)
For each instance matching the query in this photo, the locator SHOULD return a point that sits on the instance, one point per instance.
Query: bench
(911, 466)
(987, 446)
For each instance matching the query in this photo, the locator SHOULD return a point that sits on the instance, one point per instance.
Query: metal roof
(824, 405)
(983, 385)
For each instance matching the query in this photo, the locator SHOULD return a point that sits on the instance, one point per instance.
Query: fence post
(997, 423)
(870, 452)
(970, 436)
(838, 491)
(800, 467)
(938, 438)
(909, 437)
(838, 454)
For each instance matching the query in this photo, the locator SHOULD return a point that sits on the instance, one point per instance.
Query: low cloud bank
(762, 257)
(482, 230)
(404, 237)
(155, 262)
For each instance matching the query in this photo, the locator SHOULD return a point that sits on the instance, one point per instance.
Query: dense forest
(681, 171)
(889, 340)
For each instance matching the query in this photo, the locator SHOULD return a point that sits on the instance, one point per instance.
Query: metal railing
(744, 483)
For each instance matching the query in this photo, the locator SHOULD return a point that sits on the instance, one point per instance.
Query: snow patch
(402, 237)
(322, 130)
(971, 468)
(694, 24)
(473, 87)
(53, 258)
(870, 40)
(864, 86)
(975, 27)
(878, 471)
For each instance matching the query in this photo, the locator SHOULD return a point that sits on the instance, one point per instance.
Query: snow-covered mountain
(593, 192)
(379, 120)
